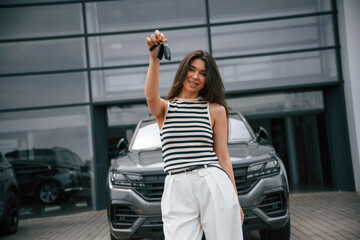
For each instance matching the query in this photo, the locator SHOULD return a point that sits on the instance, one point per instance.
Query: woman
(200, 193)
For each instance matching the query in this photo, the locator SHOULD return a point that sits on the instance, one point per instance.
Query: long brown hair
(213, 91)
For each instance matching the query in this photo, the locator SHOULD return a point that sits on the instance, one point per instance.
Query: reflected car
(135, 183)
(50, 176)
(9, 198)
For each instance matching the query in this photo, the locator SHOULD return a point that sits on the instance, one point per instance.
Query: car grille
(153, 186)
(274, 204)
(123, 216)
(243, 184)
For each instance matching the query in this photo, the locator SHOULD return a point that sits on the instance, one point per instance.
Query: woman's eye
(191, 70)
(204, 74)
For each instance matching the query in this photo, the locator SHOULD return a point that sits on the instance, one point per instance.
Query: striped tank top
(186, 135)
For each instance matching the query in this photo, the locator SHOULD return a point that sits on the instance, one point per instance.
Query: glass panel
(132, 49)
(43, 90)
(133, 15)
(291, 34)
(51, 136)
(127, 115)
(238, 132)
(24, 22)
(147, 137)
(128, 83)
(235, 10)
(278, 70)
(46, 55)
(14, 2)
(283, 102)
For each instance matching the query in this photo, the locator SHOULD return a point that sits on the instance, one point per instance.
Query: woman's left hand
(242, 216)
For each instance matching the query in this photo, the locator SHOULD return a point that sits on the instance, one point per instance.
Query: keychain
(164, 50)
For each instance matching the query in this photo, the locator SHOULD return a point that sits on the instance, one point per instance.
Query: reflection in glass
(114, 16)
(272, 36)
(51, 152)
(43, 90)
(147, 137)
(238, 132)
(46, 55)
(40, 21)
(278, 70)
(128, 83)
(234, 10)
(127, 114)
(278, 102)
(128, 49)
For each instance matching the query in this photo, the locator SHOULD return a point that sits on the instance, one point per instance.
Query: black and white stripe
(186, 135)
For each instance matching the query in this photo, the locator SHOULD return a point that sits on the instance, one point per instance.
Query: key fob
(167, 53)
(160, 52)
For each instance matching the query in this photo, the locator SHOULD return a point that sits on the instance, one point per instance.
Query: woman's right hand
(154, 39)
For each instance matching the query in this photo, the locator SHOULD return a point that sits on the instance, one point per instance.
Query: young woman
(200, 193)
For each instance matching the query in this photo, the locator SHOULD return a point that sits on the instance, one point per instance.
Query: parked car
(135, 183)
(49, 176)
(9, 198)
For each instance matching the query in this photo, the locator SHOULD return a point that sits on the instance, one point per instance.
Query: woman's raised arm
(156, 104)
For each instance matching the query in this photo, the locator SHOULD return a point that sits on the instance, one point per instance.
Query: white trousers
(200, 201)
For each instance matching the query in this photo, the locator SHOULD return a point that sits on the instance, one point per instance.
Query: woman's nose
(196, 75)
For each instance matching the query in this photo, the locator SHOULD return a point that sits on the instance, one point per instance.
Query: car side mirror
(122, 146)
(262, 135)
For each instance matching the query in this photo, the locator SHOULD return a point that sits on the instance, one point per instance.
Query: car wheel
(278, 234)
(49, 193)
(11, 214)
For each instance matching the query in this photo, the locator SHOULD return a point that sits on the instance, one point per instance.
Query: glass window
(127, 49)
(114, 16)
(261, 37)
(50, 130)
(40, 21)
(238, 132)
(278, 102)
(127, 114)
(46, 55)
(278, 70)
(147, 137)
(128, 83)
(43, 90)
(14, 2)
(235, 10)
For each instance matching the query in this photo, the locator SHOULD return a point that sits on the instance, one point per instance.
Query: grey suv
(9, 198)
(136, 180)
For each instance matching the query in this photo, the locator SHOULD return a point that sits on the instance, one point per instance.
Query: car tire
(10, 222)
(278, 234)
(49, 193)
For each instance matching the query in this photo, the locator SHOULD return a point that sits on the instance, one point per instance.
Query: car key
(160, 52)
(167, 53)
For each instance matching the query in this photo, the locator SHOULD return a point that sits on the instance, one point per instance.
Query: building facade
(72, 75)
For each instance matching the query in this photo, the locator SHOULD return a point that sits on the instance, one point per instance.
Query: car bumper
(265, 207)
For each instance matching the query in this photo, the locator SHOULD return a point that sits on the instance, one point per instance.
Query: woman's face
(196, 76)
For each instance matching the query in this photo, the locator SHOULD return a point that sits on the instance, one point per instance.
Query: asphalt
(325, 216)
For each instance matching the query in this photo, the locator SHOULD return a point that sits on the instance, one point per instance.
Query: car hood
(240, 154)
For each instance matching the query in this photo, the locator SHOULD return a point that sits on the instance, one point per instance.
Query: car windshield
(33, 154)
(148, 135)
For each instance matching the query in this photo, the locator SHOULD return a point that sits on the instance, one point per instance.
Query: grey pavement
(327, 215)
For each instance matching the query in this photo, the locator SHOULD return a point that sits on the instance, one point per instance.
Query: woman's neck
(187, 95)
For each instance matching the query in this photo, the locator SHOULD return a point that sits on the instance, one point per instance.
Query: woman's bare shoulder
(217, 109)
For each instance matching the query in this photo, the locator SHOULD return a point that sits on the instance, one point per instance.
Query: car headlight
(127, 179)
(264, 168)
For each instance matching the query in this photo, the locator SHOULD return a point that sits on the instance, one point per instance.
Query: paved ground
(331, 215)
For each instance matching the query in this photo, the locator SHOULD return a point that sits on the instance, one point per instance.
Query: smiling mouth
(193, 84)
